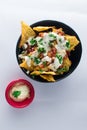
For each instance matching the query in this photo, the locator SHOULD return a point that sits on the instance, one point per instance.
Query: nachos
(45, 51)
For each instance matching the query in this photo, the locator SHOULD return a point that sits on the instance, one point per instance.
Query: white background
(57, 106)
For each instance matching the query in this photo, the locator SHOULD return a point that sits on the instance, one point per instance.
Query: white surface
(58, 106)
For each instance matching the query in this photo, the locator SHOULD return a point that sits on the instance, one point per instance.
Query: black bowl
(75, 55)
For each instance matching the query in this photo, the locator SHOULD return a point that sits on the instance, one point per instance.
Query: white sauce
(24, 92)
(43, 42)
(34, 54)
(38, 38)
(46, 38)
(25, 46)
(46, 58)
(23, 89)
(29, 40)
(55, 65)
(28, 60)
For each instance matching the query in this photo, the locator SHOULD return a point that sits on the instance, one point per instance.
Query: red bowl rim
(24, 103)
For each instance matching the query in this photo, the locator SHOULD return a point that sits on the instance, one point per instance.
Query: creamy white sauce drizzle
(43, 42)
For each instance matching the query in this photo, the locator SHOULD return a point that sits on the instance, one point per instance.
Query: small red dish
(23, 103)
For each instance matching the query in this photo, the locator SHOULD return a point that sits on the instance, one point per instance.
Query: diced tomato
(50, 53)
(53, 52)
(61, 66)
(68, 53)
(41, 34)
(41, 55)
(65, 56)
(41, 66)
(30, 49)
(60, 32)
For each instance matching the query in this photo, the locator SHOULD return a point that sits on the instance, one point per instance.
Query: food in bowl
(45, 51)
(19, 93)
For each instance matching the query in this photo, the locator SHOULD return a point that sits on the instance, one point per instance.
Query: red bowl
(23, 103)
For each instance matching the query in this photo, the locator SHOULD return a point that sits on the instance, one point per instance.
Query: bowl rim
(64, 26)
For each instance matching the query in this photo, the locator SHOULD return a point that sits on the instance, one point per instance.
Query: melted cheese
(55, 65)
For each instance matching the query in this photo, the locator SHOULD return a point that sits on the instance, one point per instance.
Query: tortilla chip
(41, 28)
(66, 62)
(73, 41)
(59, 30)
(27, 32)
(39, 68)
(65, 67)
(24, 65)
(48, 77)
(42, 72)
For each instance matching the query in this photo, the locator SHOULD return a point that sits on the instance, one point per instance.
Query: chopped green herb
(50, 43)
(33, 41)
(68, 44)
(16, 93)
(60, 58)
(40, 70)
(29, 56)
(41, 50)
(40, 40)
(44, 63)
(62, 70)
(60, 40)
(41, 43)
(37, 60)
(52, 35)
